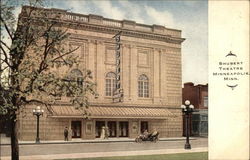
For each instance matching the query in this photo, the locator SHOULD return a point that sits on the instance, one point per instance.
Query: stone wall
(172, 127)
(50, 128)
(159, 61)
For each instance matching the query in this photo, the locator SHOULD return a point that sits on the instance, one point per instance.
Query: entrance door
(98, 128)
(112, 128)
(76, 129)
(144, 126)
(123, 129)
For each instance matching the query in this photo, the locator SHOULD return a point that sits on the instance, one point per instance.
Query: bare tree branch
(5, 56)
(5, 45)
(2, 69)
(46, 47)
(6, 27)
(31, 101)
(61, 56)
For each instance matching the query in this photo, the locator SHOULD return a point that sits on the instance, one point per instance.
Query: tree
(30, 61)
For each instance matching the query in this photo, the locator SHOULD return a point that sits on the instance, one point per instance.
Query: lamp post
(37, 112)
(187, 109)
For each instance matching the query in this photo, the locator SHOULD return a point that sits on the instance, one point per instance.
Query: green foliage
(37, 54)
(179, 156)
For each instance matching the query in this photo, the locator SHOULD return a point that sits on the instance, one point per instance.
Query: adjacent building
(150, 66)
(198, 96)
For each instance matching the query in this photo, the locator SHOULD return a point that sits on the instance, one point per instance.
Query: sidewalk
(108, 154)
(6, 141)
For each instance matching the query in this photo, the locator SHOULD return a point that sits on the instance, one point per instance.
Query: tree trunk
(14, 140)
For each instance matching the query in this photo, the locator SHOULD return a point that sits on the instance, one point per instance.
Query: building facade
(151, 80)
(198, 96)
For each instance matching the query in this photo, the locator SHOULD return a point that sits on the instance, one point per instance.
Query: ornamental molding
(132, 44)
(100, 24)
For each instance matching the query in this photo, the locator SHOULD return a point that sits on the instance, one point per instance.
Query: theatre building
(150, 70)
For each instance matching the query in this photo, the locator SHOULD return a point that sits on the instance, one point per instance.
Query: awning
(112, 112)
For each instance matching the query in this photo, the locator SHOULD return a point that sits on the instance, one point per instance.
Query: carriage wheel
(155, 140)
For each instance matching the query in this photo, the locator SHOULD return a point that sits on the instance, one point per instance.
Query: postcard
(124, 79)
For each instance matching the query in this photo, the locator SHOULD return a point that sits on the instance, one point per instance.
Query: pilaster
(91, 58)
(100, 70)
(156, 77)
(126, 71)
(133, 73)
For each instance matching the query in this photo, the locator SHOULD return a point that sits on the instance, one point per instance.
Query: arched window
(76, 76)
(110, 83)
(143, 88)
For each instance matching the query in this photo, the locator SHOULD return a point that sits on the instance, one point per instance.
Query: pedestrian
(66, 134)
(102, 133)
(145, 134)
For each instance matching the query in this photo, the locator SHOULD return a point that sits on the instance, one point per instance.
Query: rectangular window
(143, 86)
(123, 129)
(140, 89)
(114, 86)
(144, 126)
(205, 101)
(76, 129)
(112, 128)
(108, 87)
(98, 128)
(146, 90)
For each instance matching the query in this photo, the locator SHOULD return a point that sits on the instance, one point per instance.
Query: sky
(190, 16)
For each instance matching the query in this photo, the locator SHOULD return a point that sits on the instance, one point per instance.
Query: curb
(94, 141)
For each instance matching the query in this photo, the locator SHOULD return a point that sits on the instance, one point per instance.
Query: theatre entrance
(76, 129)
(123, 129)
(112, 128)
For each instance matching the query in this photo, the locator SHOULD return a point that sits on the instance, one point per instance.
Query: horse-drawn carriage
(150, 137)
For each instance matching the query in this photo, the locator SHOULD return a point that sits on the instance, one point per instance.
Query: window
(143, 88)
(112, 128)
(205, 101)
(123, 129)
(75, 76)
(110, 83)
(76, 129)
(144, 126)
(98, 128)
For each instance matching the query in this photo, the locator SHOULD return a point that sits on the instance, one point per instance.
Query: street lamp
(37, 112)
(187, 109)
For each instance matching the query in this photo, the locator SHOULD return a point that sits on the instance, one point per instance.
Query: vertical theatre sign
(118, 92)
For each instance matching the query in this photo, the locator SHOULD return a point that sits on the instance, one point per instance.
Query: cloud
(190, 3)
(75, 6)
(164, 18)
(108, 10)
(132, 11)
(194, 48)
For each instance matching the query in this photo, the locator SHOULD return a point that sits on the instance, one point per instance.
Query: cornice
(100, 24)
(125, 32)
(126, 43)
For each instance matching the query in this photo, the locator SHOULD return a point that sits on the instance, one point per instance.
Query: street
(70, 148)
